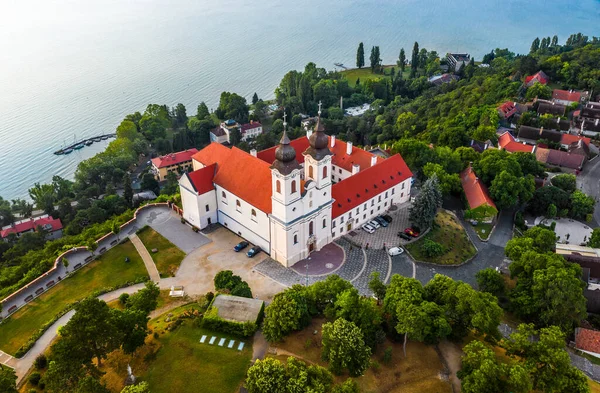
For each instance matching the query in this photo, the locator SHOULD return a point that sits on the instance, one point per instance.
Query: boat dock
(85, 142)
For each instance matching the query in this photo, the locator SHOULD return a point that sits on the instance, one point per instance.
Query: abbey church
(294, 198)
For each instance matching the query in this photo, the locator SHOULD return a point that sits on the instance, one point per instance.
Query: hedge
(212, 321)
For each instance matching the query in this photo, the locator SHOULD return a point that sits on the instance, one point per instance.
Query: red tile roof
(587, 340)
(507, 142)
(507, 109)
(567, 139)
(566, 95)
(340, 158)
(174, 158)
(202, 179)
(539, 76)
(215, 152)
(475, 191)
(368, 183)
(32, 224)
(559, 158)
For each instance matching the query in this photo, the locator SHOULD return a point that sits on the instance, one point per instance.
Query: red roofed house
(507, 109)
(52, 225)
(565, 97)
(588, 341)
(251, 130)
(179, 163)
(481, 205)
(294, 198)
(539, 77)
(507, 142)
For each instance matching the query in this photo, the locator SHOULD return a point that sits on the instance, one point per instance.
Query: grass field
(418, 373)
(483, 230)
(168, 258)
(109, 271)
(176, 361)
(365, 74)
(451, 235)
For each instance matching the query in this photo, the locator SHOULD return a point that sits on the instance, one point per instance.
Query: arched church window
(296, 239)
(324, 172)
(223, 197)
(293, 186)
(324, 223)
(310, 229)
(238, 205)
(253, 217)
(278, 186)
(310, 172)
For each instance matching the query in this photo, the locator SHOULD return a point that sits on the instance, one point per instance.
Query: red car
(411, 232)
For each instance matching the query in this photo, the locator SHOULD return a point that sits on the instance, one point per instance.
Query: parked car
(387, 217)
(374, 224)
(404, 236)
(253, 251)
(367, 228)
(395, 251)
(411, 232)
(381, 221)
(240, 246)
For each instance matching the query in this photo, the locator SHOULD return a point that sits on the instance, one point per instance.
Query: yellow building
(179, 163)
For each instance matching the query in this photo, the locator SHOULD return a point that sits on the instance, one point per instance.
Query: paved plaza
(325, 261)
(569, 231)
(384, 236)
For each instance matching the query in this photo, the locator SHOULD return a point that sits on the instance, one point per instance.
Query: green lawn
(451, 235)
(109, 271)
(182, 361)
(483, 230)
(168, 258)
(365, 74)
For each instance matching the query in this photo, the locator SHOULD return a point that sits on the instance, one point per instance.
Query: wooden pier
(84, 142)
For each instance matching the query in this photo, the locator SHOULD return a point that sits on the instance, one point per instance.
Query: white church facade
(294, 198)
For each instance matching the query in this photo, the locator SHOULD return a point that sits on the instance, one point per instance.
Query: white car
(367, 228)
(395, 251)
(374, 224)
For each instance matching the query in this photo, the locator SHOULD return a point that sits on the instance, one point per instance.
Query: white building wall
(195, 206)
(239, 219)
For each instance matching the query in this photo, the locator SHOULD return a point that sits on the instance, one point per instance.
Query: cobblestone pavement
(325, 261)
(387, 236)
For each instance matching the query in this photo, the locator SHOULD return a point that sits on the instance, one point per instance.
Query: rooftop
(539, 76)
(202, 179)
(237, 309)
(46, 222)
(566, 95)
(507, 142)
(475, 191)
(587, 340)
(559, 158)
(250, 126)
(174, 158)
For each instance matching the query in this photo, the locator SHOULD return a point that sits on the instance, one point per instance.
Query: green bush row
(212, 321)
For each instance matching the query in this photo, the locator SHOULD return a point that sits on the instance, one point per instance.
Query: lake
(73, 69)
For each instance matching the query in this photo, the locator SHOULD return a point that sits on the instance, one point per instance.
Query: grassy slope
(451, 235)
(168, 258)
(109, 271)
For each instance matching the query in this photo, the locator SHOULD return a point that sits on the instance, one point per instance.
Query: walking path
(148, 261)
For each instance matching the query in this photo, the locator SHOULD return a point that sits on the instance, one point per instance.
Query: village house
(588, 341)
(507, 142)
(539, 77)
(565, 97)
(549, 107)
(439, 80)
(52, 226)
(285, 199)
(587, 119)
(219, 135)
(179, 163)
(507, 109)
(457, 60)
(481, 205)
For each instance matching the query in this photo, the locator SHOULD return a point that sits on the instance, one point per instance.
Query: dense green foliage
(225, 281)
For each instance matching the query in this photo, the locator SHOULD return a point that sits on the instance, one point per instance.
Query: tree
(115, 228)
(552, 211)
(426, 204)
(538, 90)
(146, 299)
(491, 281)
(349, 386)
(508, 190)
(432, 249)
(565, 181)
(91, 330)
(172, 185)
(43, 196)
(150, 183)
(375, 59)
(8, 380)
(581, 204)
(377, 286)
(401, 60)
(535, 45)
(360, 56)
(141, 387)
(414, 62)
(595, 238)
(344, 348)
(132, 325)
(254, 98)
(128, 129)
(232, 106)
(89, 384)
(266, 376)
(287, 312)
(202, 112)
(362, 311)
(128, 191)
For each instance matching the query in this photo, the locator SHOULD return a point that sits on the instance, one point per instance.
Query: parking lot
(384, 236)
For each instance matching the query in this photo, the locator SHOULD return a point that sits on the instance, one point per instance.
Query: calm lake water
(75, 68)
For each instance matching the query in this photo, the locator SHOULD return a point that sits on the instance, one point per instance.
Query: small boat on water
(78, 146)
(105, 137)
(67, 151)
(89, 142)
(338, 64)
(97, 139)
(59, 152)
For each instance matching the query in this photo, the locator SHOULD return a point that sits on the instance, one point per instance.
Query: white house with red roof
(179, 163)
(52, 226)
(295, 198)
(565, 97)
(251, 130)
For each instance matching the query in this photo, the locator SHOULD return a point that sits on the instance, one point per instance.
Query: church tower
(317, 162)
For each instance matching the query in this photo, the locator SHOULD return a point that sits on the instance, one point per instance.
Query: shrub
(387, 355)
(212, 321)
(307, 343)
(34, 378)
(375, 366)
(209, 296)
(123, 298)
(432, 249)
(41, 362)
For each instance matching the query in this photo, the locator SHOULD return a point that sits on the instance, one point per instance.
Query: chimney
(309, 133)
(253, 152)
(355, 169)
(332, 140)
(373, 159)
(348, 148)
